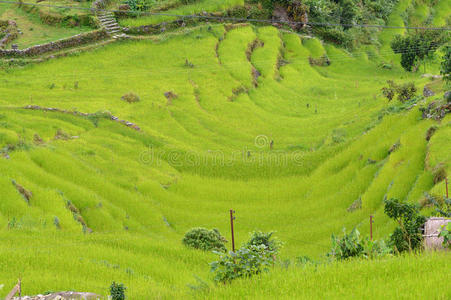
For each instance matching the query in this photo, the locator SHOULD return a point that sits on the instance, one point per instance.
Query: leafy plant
(350, 245)
(415, 48)
(390, 91)
(445, 232)
(130, 97)
(140, 5)
(258, 238)
(408, 236)
(446, 65)
(204, 239)
(442, 205)
(117, 291)
(245, 262)
(405, 91)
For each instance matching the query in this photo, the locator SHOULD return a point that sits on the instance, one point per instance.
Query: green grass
(205, 152)
(34, 31)
(196, 7)
(382, 279)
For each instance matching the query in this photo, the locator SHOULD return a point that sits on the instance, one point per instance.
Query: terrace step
(109, 23)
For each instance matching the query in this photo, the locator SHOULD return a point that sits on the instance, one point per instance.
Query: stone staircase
(108, 21)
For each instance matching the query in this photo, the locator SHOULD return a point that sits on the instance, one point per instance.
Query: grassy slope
(34, 31)
(382, 279)
(194, 8)
(139, 200)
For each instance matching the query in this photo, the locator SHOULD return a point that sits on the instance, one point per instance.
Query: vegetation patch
(130, 97)
(204, 239)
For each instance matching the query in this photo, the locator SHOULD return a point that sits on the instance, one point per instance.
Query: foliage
(405, 91)
(117, 291)
(390, 91)
(269, 4)
(264, 238)
(140, 5)
(442, 205)
(130, 97)
(245, 262)
(446, 65)
(415, 48)
(352, 245)
(408, 236)
(254, 257)
(204, 239)
(445, 232)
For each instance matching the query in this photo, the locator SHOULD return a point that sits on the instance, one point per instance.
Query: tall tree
(415, 48)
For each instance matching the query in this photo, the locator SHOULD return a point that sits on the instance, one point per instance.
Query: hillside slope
(230, 117)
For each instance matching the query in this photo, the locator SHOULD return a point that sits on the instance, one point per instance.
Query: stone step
(107, 20)
(113, 28)
(109, 23)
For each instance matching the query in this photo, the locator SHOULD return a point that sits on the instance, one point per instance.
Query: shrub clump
(245, 262)
(352, 245)
(257, 255)
(130, 97)
(445, 232)
(117, 291)
(264, 238)
(405, 91)
(407, 236)
(204, 239)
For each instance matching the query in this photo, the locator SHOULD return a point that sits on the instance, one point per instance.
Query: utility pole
(232, 217)
(371, 227)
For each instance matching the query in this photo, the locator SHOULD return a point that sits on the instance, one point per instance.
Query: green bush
(258, 238)
(130, 97)
(445, 69)
(415, 48)
(140, 5)
(408, 236)
(245, 262)
(204, 239)
(352, 245)
(405, 91)
(117, 291)
(445, 232)
(254, 257)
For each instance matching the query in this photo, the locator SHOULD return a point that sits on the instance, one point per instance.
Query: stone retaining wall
(76, 40)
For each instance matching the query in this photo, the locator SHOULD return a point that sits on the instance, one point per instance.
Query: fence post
(371, 227)
(231, 226)
(446, 184)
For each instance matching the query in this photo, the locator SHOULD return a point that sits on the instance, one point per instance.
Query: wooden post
(371, 227)
(446, 184)
(231, 226)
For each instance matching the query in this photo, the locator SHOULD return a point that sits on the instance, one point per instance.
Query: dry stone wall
(76, 40)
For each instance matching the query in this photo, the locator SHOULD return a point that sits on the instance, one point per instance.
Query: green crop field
(230, 117)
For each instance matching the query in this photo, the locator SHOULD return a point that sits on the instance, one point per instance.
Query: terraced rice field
(249, 124)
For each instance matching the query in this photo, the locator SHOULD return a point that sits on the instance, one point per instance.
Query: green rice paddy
(287, 145)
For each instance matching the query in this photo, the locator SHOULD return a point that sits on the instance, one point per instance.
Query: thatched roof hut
(431, 231)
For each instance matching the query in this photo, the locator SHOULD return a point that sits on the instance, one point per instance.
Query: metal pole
(371, 227)
(231, 226)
